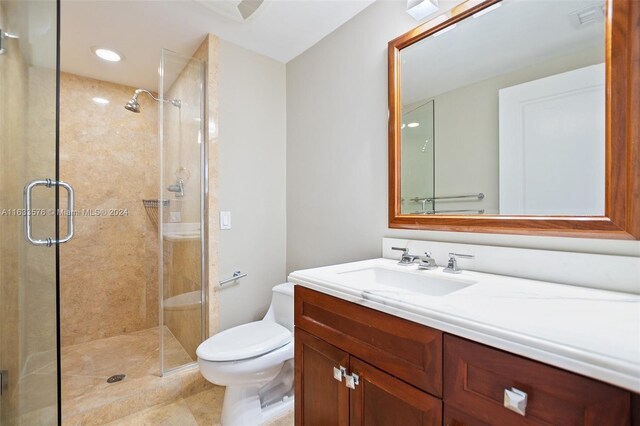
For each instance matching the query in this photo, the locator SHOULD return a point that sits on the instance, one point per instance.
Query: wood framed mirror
(434, 175)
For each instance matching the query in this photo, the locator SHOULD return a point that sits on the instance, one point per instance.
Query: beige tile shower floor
(87, 398)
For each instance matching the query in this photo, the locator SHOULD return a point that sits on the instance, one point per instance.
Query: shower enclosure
(121, 306)
(132, 304)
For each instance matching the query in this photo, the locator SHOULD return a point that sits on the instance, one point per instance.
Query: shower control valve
(178, 188)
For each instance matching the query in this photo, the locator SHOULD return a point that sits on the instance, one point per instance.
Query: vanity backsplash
(608, 272)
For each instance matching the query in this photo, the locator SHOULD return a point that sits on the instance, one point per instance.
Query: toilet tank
(281, 309)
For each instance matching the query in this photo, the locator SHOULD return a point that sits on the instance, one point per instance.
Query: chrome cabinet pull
(339, 373)
(352, 381)
(28, 189)
(515, 400)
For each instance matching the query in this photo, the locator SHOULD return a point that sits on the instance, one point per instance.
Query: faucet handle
(403, 250)
(452, 265)
(464, 256)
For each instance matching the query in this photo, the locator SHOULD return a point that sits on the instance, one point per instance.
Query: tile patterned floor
(202, 409)
(143, 398)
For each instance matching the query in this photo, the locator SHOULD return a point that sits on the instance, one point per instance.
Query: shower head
(134, 106)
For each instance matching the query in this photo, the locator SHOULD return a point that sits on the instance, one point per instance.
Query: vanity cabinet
(355, 365)
(336, 388)
(391, 367)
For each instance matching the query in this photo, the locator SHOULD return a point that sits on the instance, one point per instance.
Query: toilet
(255, 362)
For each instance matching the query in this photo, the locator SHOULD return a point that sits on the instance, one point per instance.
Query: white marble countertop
(592, 332)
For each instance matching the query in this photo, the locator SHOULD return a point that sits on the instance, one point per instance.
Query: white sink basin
(423, 282)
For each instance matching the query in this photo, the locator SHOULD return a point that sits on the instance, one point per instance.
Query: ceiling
(518, 34)
(138, 29)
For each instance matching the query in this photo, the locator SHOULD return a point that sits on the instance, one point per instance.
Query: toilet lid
(244, 341)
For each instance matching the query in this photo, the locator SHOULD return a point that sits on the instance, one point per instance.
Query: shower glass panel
(418, 155)
(28, 105)
(182, 160)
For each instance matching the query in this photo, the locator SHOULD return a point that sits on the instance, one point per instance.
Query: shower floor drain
(116, 378)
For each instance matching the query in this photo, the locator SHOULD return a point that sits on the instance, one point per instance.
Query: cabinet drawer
(409, 351)
(476, 376)
(453, 417)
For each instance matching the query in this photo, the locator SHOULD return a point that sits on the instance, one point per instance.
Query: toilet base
(276, 410)
(241, 407)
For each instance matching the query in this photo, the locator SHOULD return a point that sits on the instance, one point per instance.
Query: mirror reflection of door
(466, 70)
(557, 122)
(418, 156)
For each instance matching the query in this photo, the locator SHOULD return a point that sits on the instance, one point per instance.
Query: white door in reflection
(552, 145)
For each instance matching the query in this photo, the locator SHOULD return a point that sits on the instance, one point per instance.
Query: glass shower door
(28, 295)
(181, 228)
(418, 159)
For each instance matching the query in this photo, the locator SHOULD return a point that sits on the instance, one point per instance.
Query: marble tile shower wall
(109, 270)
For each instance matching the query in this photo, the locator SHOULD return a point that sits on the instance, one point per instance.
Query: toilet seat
(244, 341)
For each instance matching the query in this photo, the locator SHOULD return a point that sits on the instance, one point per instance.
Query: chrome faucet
(427, 262)
(406, 259)
(178, 188)
(452, 265)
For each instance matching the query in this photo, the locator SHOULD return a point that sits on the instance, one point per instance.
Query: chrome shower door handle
(70, 211)
(28, 189)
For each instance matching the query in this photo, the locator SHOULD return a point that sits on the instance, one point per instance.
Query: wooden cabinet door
(320, 398)
(380, 399)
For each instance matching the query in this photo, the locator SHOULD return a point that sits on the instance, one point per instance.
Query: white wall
(337, 151)
(252, 176)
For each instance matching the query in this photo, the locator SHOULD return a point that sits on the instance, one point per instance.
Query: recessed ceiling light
(106, 54)
(100, 101)
(420, 9)
(413, 124)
